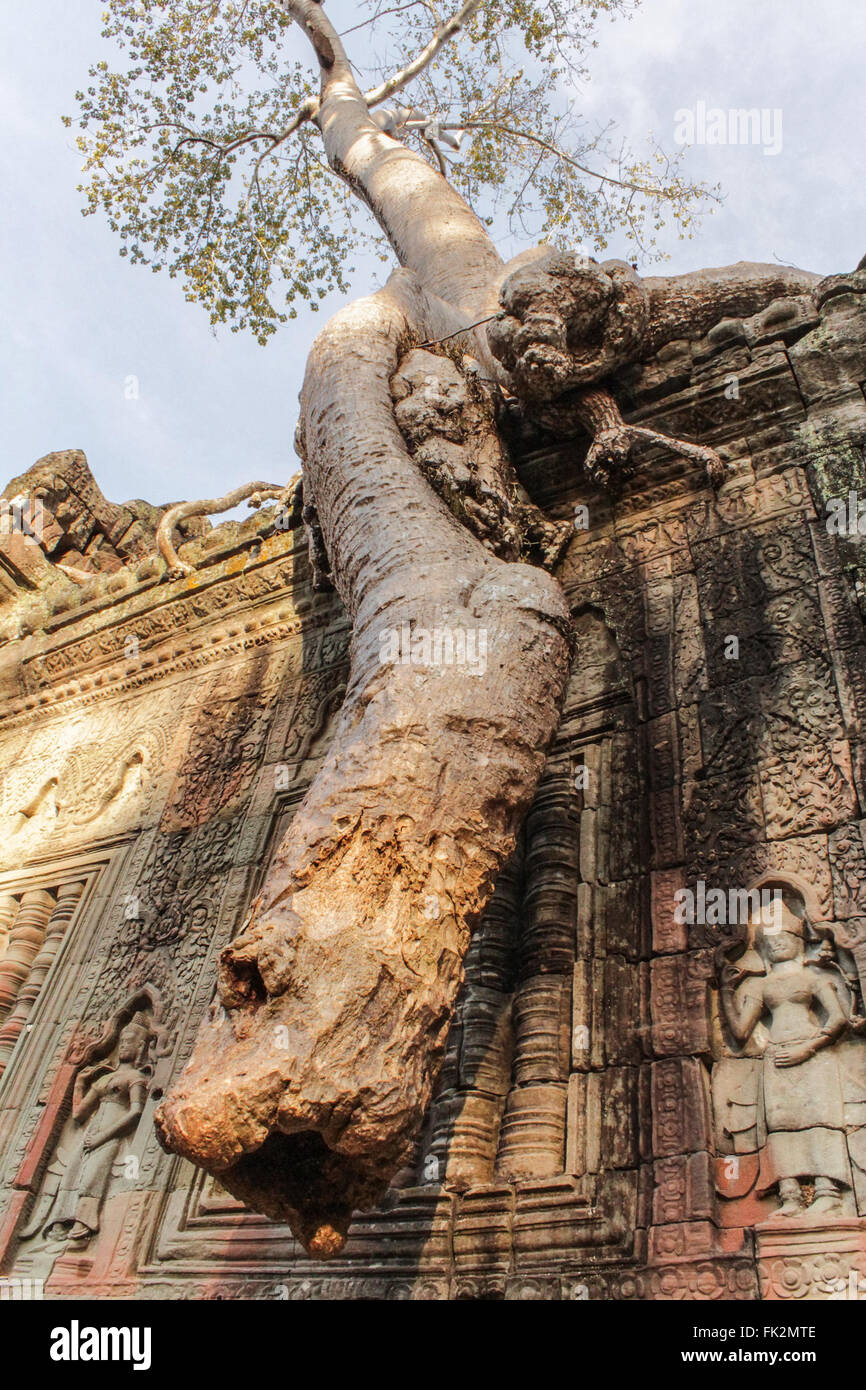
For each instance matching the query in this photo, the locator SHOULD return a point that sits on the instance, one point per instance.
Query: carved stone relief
(108, 1099)
(85, 1156)
(790, 1085)
(599, 1130)
(82, 778)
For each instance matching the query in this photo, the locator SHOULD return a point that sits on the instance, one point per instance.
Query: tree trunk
(310, 1078)
(340, 990)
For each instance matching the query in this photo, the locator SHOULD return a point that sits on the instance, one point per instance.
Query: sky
(109, 358)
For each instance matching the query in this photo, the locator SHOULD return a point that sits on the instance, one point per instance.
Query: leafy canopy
(198, 150)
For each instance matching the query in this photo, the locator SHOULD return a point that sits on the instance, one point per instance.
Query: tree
(353, 950)
(205, 152)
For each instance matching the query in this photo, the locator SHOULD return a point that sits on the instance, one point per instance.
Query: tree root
(609, 458)
(253, 493)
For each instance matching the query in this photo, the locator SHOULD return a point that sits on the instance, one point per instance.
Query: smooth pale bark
(430, 227)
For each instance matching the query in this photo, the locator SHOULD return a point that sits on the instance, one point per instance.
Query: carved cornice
(214, 615)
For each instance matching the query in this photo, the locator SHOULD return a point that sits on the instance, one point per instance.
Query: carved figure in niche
(108, 1101)
(790, 997)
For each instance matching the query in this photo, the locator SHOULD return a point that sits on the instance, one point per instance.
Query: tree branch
(305, 112)
(559, 154)
(300, 12)
(393, 9)
(445, 31)
(449, 249)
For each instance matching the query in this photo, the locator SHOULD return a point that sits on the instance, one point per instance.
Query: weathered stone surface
(588, 1076)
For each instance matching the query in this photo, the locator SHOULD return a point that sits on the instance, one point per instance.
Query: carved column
(550, 903)
(476, 1073)
(22, 948)
(532, 1143)
(490, 960)
(68, 896)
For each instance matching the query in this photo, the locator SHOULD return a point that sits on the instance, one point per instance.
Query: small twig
(431, 342)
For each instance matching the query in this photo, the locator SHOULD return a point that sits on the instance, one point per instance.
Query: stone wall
(584, 1141)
